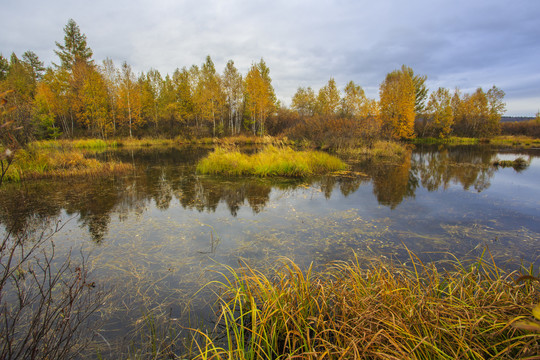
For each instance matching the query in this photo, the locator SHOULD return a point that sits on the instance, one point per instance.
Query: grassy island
(271, 161)
(61, 160)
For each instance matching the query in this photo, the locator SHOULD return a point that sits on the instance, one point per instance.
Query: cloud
(460, 43)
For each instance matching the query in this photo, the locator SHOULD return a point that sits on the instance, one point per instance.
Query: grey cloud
(460, 43)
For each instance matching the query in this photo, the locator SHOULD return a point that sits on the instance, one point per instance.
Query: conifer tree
(75, 49)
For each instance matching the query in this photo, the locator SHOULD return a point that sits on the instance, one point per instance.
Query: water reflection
(393, 183)
(168, 175)
(468, 166)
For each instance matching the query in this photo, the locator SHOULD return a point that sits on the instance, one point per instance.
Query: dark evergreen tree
(75, 49)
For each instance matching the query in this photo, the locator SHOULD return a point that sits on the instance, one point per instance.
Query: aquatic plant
(518, 164)
(271, 161)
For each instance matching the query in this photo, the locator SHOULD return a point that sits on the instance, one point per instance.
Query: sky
(464, 44)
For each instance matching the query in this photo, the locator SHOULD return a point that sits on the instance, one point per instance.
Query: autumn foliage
(80, 98)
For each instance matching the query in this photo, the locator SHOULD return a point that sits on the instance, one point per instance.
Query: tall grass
(382, 311)
(50, 162)
(88, 144)
(271, 161)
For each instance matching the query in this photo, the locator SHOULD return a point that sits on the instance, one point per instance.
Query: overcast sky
(458, 43)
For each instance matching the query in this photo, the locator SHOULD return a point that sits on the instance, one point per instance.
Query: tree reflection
(391, 184)
(170, 176)
(468, 166)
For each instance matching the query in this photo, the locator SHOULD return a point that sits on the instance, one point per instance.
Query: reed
(271, 161)
(382, 311)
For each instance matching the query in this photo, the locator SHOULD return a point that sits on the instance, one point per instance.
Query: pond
(154, 237)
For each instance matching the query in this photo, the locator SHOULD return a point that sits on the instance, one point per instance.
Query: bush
(336, 132)
(527, 128)
(45, 303)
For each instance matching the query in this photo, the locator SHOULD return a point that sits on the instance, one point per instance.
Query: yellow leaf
(536, 311)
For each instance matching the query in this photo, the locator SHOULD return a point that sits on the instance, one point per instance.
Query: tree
(304, 101)
(151, 93)
(439, 110)
(75, 49)
(34, 64)
(75, 64)
(397, 104)
(4, 67)
(496, 107)
(110, 76)
(420, 89)
(234, 89)
(259, 95)
(478, 114)
(353, 103)
(52, 103)
(46, 113)
(129, 100)
(20, 88)
(209, 96)
(8, 144)
(328, 99)
(94, 111)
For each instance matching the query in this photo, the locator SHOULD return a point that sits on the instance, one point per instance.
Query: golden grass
(56, 163)
(384, 311)
(515, 140)
(271, 161)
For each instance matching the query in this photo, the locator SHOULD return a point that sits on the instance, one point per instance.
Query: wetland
(156, 235)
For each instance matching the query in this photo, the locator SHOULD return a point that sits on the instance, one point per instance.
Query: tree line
(78, 97)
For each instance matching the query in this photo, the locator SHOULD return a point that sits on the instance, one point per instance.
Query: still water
(154, 237)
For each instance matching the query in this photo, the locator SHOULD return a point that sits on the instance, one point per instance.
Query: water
(154, 237)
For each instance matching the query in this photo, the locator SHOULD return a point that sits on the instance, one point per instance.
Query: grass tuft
(271, 161)
(518, 164)
(384, 311)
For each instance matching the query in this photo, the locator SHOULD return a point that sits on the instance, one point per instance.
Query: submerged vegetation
(271, 161)
(380, 311)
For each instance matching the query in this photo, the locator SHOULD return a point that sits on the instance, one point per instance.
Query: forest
(78, 98)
